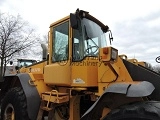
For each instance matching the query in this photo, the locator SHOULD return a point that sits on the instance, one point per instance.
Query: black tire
(14, 105)
(147, 110)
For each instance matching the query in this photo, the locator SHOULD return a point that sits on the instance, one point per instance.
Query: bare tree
(15, 36)
(36, 49)
(156, 68)
(45, 39)
(149, 66)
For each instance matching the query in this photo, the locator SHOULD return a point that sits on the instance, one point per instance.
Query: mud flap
(130, 90)
(32, 96)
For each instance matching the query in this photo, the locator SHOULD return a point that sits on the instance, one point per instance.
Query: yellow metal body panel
(142, 63)
(105, 74)
(59, 21)
(112, 73)
(85, 73)
(123, 72)
(37, 68)
(74, 110)
(37, 77)
(55, 74)
(134, 61)
(38, 82)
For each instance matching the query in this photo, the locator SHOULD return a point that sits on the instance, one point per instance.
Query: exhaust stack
(44, 51)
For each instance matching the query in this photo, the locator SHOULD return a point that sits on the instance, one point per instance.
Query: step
(46, 108)
(55, 97)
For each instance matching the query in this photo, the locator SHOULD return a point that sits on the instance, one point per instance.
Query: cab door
(58, 70)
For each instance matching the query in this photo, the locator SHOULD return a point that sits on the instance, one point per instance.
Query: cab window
(60, 42)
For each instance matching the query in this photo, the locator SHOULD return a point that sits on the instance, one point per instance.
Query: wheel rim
(9, 113)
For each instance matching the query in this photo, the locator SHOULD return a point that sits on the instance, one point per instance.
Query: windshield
(88, 38)
(25, 63)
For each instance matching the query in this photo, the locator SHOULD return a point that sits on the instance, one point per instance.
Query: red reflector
(105, 50)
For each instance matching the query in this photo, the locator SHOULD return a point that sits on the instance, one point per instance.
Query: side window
(78, 46)
(60, 42)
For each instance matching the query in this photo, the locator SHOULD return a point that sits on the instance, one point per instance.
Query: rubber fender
(141, 73)
(141, 89)
(131, 90)
(32, 96)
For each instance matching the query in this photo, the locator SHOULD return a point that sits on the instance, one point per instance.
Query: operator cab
(73, 41)
(87, 34)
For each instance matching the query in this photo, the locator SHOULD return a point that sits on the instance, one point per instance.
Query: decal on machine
(78, 80)
(35, 70)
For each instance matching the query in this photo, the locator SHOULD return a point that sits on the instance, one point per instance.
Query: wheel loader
(81, 77)
(12, 68)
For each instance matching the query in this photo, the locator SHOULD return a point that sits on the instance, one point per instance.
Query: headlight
(114, 54)
(108, 54)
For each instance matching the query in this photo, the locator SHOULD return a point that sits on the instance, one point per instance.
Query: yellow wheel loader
(81, 78)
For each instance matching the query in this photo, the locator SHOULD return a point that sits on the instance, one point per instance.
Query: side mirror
(11, 62)
(73, 20)
(16, 67)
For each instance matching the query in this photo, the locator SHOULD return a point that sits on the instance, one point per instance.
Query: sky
(135, 24)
